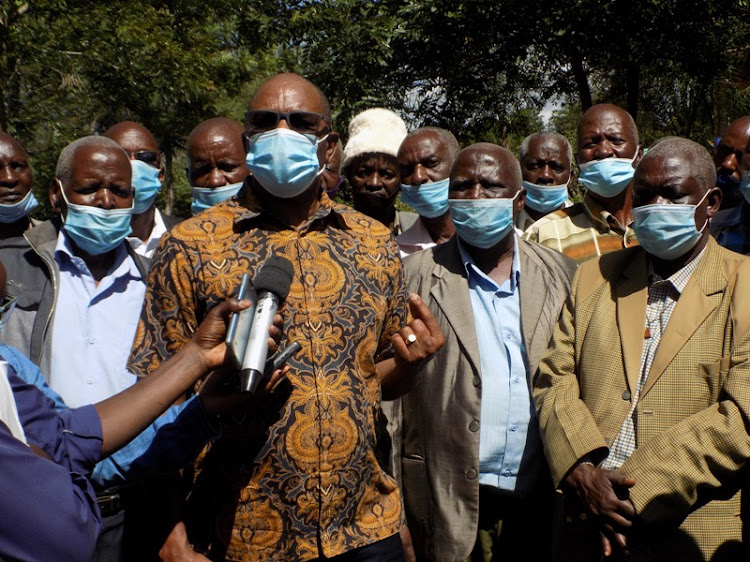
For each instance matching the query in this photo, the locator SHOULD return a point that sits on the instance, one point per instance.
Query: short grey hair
(446, 137)
(524, 150)
(64, 169)
(698, 160)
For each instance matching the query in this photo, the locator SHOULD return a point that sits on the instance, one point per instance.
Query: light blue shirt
(509, 441)
(93, 326)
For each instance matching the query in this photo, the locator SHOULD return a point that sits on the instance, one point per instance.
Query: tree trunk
(581, 78)
(169, 195)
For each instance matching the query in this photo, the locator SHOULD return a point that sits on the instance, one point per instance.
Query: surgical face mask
(96, 231)
(16, 211)
(745, 185)
(545, 198)
(667, 231)
(284, 162)
(146, 184)
(482, 223)
(608, 177)
(430, 200)
(205, 197)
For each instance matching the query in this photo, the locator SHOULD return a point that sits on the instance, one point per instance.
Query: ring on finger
(410, 339)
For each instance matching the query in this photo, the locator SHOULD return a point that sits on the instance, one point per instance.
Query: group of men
(527, 345)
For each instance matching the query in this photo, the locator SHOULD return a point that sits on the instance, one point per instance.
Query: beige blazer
(694, 411)
(440, 437)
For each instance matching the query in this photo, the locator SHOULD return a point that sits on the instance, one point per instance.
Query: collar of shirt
(602, 219)
(249, 209)
(476, 275)
(678, 279)
(123, 265)
(147, 247)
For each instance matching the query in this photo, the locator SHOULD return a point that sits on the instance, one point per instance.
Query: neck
(293, 211)
(387, 215)
(99, 265)
(667, 268)
(536, 215)
(15, 228)
(495, 262)
(440, 228)
(620, 206)
(143, 223)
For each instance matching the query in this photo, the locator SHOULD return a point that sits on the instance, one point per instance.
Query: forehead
(287, 94)
(215, 139)
(421, 145)
(607, 120)
(11, 148)
(737, 136)
(481, 165)
(545, 147)
(374, 160)
(663, 170)
(135, 139)
(100, 161)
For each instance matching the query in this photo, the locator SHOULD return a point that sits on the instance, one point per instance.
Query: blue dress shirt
(509, 441)
(93, 326)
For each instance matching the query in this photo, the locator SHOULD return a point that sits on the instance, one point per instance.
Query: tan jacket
(440, 448)
(694, 410)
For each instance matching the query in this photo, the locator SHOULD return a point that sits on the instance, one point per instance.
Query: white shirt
(146, 249)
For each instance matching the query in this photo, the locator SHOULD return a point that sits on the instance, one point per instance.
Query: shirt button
(513, 427)
(474, 426)
(471, 474)
(516, 380)
(91, 381)
(91, 341)
(507, 335)
(626, 395)
(477, 381)
(507, 473)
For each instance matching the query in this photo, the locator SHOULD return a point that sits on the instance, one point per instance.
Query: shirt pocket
(714, 375)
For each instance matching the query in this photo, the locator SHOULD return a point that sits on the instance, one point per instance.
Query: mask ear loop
(705, 224)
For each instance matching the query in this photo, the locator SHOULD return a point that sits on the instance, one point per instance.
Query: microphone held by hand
(272, 286)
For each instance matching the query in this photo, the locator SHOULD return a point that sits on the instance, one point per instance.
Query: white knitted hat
(374, 130)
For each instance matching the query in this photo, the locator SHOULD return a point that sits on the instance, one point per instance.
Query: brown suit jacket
(440, 437)
(694, 410)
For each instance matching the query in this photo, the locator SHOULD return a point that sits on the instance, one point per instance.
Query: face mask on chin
(16, 211)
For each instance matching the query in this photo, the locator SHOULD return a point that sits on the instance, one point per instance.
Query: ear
(56, 200)
(713, 198)
(161, 173)
(331, 141)
(520, 203)
(638, 155)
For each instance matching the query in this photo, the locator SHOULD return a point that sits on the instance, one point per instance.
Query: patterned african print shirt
(302, 474)
(582, 231)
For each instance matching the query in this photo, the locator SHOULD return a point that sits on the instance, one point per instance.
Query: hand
(219, 394)
(605, 494)
(425, 328)
(177, 548)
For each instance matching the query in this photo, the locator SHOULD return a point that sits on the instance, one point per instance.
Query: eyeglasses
(7, 304)
(150, 157)
(305, 122)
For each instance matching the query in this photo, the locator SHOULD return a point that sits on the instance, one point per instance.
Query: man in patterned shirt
(643, 397)
(302, 475)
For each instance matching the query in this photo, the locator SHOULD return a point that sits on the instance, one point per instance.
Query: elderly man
(16, 197)
(476, 485)
(545, 166)
(216, 164)
(643, 398)
(80, 286)
(425, 158)
(608, 151)
(304, 477)
(148, 223)
(728, 159)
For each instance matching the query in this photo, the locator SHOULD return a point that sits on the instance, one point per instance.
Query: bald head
(290, 90)
(606, 131)
(215, 154)
(132, 136)
(216, 127)
(7, 141)
(691, 157)
(486, 156)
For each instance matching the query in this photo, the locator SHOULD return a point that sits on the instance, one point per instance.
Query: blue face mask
(667, 231)
(482, 223)
(608, 177)
(745, 185)
(16, 211)
(545, 198)
(284, 162)
(146, 184)
(429, 199)
(205, 197)
(96, 231)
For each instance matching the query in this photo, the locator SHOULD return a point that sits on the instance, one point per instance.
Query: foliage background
(485, 69)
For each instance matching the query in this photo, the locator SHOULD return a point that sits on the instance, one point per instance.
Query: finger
(276, 377)
(399, 346)
(421, 311)
(616, 519)
(619, 479)
(224, 309)
(606, 546)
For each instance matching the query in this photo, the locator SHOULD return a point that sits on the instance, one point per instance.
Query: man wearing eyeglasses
(148, 223)
(79, 284)
(306, 477)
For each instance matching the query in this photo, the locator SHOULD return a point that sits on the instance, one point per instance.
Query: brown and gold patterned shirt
(303, 475)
